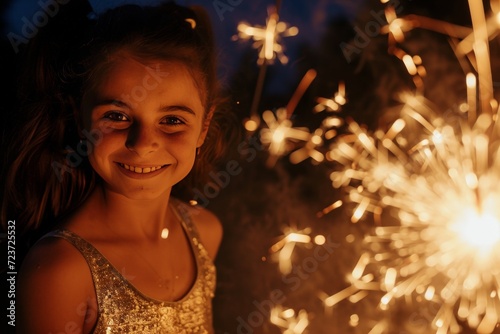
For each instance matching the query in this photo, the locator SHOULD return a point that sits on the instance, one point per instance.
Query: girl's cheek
(185, 144)
(108, 141)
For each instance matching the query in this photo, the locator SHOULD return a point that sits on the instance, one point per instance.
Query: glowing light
(164, 233)
(396, 27)
(285, 246)
(319, 240)
(481, 231)
(471, 95)
(445, 192)
(267, 38)
(443, 240)
(280, 135)
(288, 320)
(429, 183)
(353, 320)
(334, 103)
(251, 125)
(309, 150)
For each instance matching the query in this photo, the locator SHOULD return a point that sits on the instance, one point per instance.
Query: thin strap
(81, 244)
(181, 212)
(95, 260)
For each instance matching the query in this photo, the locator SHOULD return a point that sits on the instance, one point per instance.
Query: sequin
(123, 309)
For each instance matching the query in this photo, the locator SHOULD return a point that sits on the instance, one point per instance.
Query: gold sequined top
(123, 309)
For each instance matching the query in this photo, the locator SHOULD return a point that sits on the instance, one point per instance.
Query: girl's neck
(131, 218)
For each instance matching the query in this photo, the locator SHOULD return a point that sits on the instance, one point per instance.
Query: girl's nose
(142, 139)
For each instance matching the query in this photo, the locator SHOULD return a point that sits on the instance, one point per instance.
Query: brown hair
(49, 174)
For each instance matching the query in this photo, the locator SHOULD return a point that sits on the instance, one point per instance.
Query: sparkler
(280, 134)
(440, 236)
(268, 38)
(327, 130)
(431, 184)
(289, 321)
(285, 246)
(442, 191)
(333, 104)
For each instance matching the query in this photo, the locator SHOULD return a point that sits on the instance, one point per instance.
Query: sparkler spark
(267, 38)
(430, 183)
(280, 134)
(289, 321)
(441, 189)
(333, 104)
(285, 246)
(327, 130)
(434, 192)
(441, 237)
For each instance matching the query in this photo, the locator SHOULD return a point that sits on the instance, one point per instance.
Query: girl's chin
(138, 192)
(145, 194)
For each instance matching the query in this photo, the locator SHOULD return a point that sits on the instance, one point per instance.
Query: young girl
(114, 124)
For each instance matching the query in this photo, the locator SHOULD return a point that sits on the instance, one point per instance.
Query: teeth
(140, 170)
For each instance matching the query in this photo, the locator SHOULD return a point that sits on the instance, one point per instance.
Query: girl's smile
(141, 170)
(137, 172)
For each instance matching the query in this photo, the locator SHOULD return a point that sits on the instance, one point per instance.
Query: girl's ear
(205, 126)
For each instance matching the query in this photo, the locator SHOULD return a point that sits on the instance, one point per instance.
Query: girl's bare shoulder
(52, 260)
(55, 287)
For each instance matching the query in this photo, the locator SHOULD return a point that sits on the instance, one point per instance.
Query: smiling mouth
(141, 170)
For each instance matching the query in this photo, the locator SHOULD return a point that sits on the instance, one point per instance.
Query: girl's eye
(172, 120)
(116, 116)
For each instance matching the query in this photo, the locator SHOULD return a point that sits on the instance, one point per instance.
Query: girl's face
(146, 121)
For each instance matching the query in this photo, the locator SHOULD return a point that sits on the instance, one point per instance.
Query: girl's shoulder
(52, 258)
(207, 224)
(54, 276)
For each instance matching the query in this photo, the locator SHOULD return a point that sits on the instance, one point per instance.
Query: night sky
(311, 17)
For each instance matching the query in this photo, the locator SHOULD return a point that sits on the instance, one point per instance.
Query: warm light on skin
(161, 126)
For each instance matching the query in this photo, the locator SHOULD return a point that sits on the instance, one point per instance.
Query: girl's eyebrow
(177, 108)
(114, 102)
